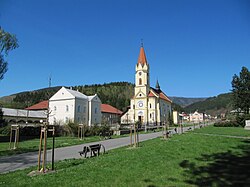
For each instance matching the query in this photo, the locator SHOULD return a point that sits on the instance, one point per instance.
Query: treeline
(213, 105)
(117, 94)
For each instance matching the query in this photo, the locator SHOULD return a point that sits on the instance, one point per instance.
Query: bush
(226, 124)
(5, 130)
(242, 118)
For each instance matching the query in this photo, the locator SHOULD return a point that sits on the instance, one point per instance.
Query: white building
(196, 117)
(70, 105)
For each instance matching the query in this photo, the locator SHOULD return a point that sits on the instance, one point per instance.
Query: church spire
(157, 86)
(142, 56)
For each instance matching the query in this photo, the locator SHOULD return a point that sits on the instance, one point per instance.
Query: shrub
(226, 124)
(242, 118)
(5, 130)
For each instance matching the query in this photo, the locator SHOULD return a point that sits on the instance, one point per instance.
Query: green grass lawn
(184, 160)
(33, 145)
(231, 131)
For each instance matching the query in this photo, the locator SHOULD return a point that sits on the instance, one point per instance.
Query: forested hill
(117, 94)
(213, 105)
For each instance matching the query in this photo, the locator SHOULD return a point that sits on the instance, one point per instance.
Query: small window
(150, 105)
(140, 81)
(67, 108)
(54, 108)
(79, 108)
(84, 109)
(95, 110)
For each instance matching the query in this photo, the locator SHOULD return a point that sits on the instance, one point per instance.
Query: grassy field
(33, 144)
(184, 160)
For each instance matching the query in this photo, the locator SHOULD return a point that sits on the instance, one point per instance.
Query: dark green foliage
(5, 130)
(176, 107)
(226, 124)
(184, 101)
(213, 105)
(241, 90)
(241, 118)
(25, 99)
(8, 42)
(2, 121)
(117, 94)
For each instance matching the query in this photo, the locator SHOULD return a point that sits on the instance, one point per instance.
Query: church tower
(142, 88)
(142, 84)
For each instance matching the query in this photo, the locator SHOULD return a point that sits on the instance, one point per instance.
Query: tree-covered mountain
(184, 101)
(213, 105)
(118, 94)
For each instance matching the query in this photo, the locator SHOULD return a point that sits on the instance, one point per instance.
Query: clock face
(140, 104)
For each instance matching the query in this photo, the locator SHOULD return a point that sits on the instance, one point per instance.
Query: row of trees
(117, 94)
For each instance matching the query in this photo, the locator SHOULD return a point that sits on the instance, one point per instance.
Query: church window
(54, 119)
(140, 81)
(150, 115)
(150, 105)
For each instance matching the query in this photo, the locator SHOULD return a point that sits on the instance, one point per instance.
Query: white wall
(62, 111)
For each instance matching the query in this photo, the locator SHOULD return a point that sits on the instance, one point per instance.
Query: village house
(68, 105)
(109, 114)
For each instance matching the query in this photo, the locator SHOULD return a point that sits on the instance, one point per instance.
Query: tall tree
(8, 42)
(241, 90)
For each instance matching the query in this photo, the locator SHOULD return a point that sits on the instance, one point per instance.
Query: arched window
(140, 81)
(67, 108)
(79, 108)
(54, 108)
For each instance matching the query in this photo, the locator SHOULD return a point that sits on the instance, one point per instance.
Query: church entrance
(140, 118)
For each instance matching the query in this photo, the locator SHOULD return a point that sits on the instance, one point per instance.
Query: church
(149, 106)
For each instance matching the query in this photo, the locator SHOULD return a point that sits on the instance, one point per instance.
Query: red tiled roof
(39, 106)
(105, 108)
(164, 97)
(160, 94)
(142, 57)
(151, 94)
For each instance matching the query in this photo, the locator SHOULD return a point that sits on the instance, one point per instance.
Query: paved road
(25, 160)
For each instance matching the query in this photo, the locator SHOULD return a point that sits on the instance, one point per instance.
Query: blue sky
(193, 47)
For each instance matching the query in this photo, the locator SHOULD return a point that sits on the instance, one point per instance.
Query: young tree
(241, 90)
(8, 42)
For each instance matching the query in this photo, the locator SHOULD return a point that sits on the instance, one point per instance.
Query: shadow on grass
(223, 169)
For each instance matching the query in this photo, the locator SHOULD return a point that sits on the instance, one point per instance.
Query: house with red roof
(110, 114)
(149, 105)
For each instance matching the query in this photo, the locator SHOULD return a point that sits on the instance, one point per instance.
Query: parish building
(149, 106)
